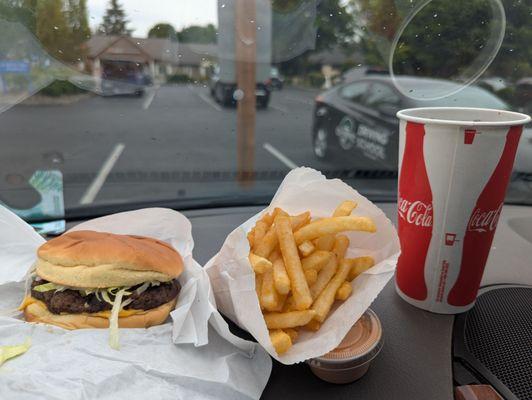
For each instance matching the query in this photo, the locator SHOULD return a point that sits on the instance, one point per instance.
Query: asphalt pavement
(175, 141)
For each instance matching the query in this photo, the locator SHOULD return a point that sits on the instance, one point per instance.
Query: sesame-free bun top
(92, 259)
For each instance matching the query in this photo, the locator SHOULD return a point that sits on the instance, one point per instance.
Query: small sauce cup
(352, 358)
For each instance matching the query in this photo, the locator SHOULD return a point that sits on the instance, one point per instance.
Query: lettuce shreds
(45, 287)
(7, 352)
(114, 340)
(106, 298)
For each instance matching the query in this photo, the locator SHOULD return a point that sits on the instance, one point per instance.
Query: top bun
(97, 259)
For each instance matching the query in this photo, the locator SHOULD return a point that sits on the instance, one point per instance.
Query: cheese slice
(104, 314)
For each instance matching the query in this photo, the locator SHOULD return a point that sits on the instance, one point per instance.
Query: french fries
(324, 277)
(281, 341)
(344, 291)
(269, 295)
(359, 265)
(311, 275)
(325, 242)
(306, 248)
(333, 225)
(291, 319)
(322, 304)
(280, 277)
(301, 270)
(316, 260)
(260, 230)
(292, 263)
(340, 246)
(312, 326)
(267, 244)
(260, 264)
(293, 333)
(345, 208)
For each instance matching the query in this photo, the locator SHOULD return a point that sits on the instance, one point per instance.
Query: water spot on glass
(238, 94)
(223, 5)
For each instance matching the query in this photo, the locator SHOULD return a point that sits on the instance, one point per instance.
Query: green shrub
(178, 78)
(316, 79)
(61, 88)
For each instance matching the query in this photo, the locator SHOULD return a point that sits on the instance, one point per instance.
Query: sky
(143, 14)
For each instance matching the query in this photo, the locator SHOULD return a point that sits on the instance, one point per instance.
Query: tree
(22, 11)
(114, 21)
(335, 25)
(335, 29)
(198, 34)
(51, 27)
(163, 31)
(445, 37)
(79, 29)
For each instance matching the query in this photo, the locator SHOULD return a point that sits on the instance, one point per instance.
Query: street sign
(14, 67)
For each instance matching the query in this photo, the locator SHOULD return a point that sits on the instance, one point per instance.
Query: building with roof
(159, 58)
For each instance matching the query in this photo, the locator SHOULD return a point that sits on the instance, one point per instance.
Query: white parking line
(280, 156)
(107, 166)
(149, 98)
(209, 101)
(279, 108)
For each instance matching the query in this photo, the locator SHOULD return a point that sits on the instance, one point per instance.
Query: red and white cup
(454, 168)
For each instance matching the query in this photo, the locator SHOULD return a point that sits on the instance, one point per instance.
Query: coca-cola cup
(454, 168)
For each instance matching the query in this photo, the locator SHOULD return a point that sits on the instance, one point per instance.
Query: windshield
(112, 104)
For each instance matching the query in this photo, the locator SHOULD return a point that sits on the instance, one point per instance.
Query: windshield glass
(112, 104)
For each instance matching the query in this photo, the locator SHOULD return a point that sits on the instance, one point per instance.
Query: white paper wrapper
(233, 280)
(184, 359)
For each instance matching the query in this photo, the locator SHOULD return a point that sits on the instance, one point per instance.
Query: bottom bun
(38, 312)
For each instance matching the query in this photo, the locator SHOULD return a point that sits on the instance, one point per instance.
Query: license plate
(260, 93)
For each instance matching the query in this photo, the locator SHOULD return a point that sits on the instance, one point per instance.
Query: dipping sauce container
(352, 358)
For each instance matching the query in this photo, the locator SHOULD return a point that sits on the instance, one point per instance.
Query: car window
(355, 92)
(380, 94)
(116, 104)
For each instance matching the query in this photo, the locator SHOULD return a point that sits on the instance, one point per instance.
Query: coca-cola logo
(483, 221)
(415, 212)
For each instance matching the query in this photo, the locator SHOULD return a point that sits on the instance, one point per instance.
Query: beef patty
(73, 302)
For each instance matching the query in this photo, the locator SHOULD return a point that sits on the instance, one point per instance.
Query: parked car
(355, 73)
(358, 118)
(224, 92)
(276, 80)
(124, 78)
(493, 84)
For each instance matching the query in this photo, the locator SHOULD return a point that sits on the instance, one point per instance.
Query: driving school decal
(370, 141)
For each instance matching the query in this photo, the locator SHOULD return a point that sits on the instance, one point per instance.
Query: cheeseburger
(86, 279)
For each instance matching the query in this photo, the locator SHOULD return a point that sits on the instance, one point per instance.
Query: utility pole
(246, 57)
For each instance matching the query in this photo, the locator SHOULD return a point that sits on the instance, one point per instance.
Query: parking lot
(143, 148)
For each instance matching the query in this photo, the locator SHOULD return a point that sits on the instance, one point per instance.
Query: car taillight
(319, 98)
